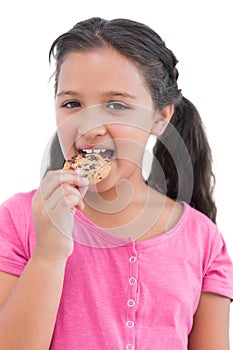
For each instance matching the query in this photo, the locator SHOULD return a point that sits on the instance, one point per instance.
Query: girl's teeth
(94, 150)
(104, 152)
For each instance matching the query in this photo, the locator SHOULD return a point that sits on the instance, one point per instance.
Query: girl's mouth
(105, 153)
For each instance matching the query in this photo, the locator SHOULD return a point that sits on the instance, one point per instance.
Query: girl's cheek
(67, 136)
(60, 116)
(123, 130)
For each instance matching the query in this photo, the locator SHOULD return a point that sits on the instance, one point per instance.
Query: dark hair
(157, 63)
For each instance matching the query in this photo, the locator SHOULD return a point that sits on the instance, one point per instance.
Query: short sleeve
(13, 257)
(218, 277)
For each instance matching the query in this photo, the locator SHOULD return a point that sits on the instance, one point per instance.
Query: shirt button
(130, 324)
(132, 280)
(132, 259)
(130, 302)
(129, 347)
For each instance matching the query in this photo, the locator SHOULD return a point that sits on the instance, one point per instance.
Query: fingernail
(83, 181)
(79, 172)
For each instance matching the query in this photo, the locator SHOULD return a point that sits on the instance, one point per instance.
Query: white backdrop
(199, 33)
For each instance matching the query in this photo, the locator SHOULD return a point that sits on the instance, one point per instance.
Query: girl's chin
(101, 186)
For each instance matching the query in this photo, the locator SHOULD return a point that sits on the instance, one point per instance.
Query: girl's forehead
(104, 69)
(99, 61)
(106, 53)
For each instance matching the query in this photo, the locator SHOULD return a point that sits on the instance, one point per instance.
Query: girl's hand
(54, 206)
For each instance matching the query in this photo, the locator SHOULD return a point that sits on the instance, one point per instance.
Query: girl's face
(102, 102)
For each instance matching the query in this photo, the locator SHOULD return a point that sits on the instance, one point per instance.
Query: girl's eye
(117, 106)
(71, 104)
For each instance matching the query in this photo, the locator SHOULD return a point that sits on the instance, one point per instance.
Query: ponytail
(196, 186)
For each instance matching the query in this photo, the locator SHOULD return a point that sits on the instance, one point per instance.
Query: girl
(124, 264)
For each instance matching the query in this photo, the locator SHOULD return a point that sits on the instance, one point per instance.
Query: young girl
(123, 264)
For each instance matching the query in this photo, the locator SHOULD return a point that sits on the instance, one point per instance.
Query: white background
(199, 33)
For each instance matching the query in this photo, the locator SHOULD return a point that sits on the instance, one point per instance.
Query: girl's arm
(211, 324)
(28, 314)
(29, 304)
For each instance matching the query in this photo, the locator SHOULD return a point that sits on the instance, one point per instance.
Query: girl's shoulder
(201, 232)
(197, 220)
(17, 235)
(17, 209)
(19, 197)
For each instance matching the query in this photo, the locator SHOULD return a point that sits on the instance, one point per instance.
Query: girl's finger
(55, 179)
(61, 194)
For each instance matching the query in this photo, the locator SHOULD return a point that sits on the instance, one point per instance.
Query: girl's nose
(92, 132)
(92, 123)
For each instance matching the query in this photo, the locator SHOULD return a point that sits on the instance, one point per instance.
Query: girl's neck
(133, 208)
(128, 193)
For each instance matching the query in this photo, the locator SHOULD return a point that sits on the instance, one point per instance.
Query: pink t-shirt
(121, 294)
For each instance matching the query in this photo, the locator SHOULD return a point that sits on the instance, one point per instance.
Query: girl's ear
(162, 119)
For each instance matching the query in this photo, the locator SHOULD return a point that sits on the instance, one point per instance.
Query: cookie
(93, 166)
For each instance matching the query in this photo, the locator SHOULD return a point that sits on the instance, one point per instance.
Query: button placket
(132, 298)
